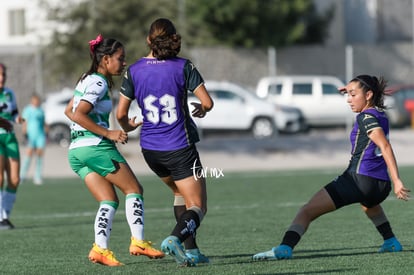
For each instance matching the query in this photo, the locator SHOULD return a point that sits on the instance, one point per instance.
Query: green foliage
(259, 23)
(233, 23)
(127, 21)
(248, 213)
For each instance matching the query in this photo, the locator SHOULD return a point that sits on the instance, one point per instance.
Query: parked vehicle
(234, 109)
(316, 96)
(238, 109)
(59, 124)
(399, 102)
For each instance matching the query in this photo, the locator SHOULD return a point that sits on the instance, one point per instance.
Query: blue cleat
(172, 246)
(196, 256)
(279, 252)
(391, 245)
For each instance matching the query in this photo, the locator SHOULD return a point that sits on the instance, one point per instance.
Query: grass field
(248, 213)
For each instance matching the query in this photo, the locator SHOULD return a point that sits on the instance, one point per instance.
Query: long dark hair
(4, 71)
(100, 47)
(164, 41)
(377, 86)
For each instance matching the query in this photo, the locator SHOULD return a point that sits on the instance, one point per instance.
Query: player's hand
(342, 90)
(134, 124)
(19, 120)
(198, 110)
(401, 191)
(117, 136)
(5, 124)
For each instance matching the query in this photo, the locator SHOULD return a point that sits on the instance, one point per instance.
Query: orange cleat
(141, 247)
(103, 256)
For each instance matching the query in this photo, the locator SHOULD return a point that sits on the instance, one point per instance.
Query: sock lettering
(190, 227)
(138, 211)
(103, 221)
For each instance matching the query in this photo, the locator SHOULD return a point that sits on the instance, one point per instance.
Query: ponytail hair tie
(95, 42)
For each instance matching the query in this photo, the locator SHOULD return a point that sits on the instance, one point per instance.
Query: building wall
(23, 72)
(355, 21)
(336, 32)
(394, 61)
(245, 67)
(27, 12)
(379, 30)
(395, 20)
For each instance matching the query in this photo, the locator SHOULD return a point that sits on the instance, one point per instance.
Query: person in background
(94, 156)
(366, 181)
(160, 83)
(35, 130)
(9, 150)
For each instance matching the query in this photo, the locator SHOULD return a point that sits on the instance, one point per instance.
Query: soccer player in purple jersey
(159, 83)
(367, 180)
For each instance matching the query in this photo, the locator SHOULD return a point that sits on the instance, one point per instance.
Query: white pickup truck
(316, 96)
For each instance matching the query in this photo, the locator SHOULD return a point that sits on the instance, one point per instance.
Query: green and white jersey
(8, 106)
(93, 89)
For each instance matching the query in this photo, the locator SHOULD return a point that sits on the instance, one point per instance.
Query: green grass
(248, 213)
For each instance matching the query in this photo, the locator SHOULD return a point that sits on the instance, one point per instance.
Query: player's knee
(307, 212)
(14, 181)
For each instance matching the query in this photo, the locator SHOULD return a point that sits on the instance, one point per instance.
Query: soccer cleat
(6, 225)
(279, 252)
(141, 247)
(172, 246)
(282, 252)
(264, 255)
(391, 245)
(196, 257)
(103, 256)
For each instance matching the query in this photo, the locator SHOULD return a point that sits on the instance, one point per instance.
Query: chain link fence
(242, 66)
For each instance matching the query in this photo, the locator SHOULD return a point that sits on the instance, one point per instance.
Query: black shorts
(351, 188)
(179, 164)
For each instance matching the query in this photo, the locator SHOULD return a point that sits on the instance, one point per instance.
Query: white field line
(148, 210)
(264, 174)
(166, 209)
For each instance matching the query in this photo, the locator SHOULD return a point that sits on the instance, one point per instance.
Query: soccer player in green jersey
(94, 156)
(9, 150)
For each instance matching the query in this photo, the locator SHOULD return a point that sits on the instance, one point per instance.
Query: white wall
(37, 29)
(33, 22)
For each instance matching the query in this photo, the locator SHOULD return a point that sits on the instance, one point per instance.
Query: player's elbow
(69, 114)
(119, 116)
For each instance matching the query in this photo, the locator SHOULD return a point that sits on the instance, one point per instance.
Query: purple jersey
(160, 88)
(366, 156)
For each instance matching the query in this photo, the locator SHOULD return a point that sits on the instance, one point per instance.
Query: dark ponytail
(164, 41)
(100, 47)
(377, 86)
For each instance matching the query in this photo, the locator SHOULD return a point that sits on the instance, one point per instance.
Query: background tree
(233, 23)
(67, 55)
(259, 23)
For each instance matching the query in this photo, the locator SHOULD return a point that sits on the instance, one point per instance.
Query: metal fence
(242, 66)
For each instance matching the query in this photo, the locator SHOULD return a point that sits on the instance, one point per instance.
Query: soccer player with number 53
(160, 83)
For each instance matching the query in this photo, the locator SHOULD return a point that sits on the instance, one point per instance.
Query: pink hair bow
(93, 43)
